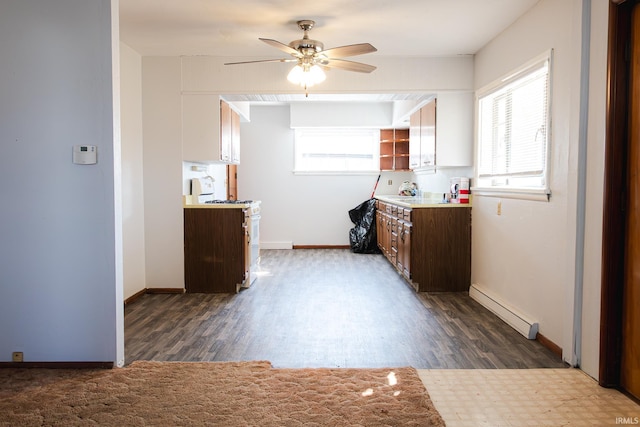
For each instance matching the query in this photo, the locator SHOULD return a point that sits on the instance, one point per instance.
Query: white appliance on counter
(202, 189)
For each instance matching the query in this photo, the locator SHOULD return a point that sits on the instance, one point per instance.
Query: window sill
(542, 195)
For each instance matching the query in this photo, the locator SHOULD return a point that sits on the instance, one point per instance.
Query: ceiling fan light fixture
(312, 59)
(306, 76)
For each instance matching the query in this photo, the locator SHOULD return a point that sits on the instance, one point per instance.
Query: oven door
(255, 244)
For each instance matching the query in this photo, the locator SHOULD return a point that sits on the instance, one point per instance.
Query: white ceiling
(229, 28)
(232, 27)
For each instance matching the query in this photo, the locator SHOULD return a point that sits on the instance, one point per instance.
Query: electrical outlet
(390, 182)
(17, 356)
(499, 209)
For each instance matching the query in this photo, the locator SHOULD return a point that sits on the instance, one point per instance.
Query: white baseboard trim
(504, 311)
(276, 245)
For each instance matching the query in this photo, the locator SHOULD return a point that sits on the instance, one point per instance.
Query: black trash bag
(363, 236)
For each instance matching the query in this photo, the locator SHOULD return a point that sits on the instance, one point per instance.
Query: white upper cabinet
(454, 124)
(210, 130)
(441, 132)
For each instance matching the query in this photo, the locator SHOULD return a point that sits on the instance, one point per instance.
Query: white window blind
(513, 130)
(333, 150)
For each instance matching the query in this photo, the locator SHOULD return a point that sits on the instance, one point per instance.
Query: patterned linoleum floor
(525, 397)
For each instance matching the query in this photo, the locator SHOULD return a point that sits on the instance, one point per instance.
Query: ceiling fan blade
(349, 50)
(262, 60)
(283, 47)
(343, 64)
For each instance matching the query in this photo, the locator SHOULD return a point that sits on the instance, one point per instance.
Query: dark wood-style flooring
(327, 308)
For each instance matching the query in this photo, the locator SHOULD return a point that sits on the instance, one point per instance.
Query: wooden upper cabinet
(428, 134)
(225, 132)
(422, 136)
(235, 137)
(208, 133)
(414, 140)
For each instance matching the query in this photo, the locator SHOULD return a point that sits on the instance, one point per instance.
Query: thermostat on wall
(85, 154)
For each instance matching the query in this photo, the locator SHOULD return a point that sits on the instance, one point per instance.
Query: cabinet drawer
(407, 215)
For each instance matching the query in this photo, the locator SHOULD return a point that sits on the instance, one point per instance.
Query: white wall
(527, 255)
(438, 181)
(132, 174)
(161, 118)
(59, 270)
(342, 115)
(595, 186)
(390, 182)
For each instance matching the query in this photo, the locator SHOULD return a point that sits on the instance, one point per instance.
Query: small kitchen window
(514, 133)
(337, 151)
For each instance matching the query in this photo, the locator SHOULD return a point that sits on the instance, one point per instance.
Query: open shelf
(394, 149)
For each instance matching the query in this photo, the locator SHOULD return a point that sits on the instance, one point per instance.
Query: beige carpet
(224, 394)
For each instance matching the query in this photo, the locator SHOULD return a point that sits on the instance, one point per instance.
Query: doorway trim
(615, 174)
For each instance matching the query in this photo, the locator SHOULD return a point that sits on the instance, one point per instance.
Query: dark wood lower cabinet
(441, 249)
(216, 257)
(430, 247)
(404, 248)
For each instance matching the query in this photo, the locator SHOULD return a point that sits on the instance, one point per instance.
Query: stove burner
(231, 202)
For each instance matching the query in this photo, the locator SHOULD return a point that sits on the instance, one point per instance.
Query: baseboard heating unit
(516, 320)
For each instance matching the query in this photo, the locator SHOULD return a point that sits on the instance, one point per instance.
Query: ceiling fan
(310, 57)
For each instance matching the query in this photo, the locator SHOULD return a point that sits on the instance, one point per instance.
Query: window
(332, 150)
(513, 132)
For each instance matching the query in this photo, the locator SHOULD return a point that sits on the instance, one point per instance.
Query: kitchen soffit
(323, 97)
(403, 104)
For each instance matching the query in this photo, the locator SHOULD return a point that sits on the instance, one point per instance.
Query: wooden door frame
(232, 176)
(614, 197)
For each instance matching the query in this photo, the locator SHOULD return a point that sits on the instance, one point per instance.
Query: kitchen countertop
(218, 206)
(430, 201)
(187, 203)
